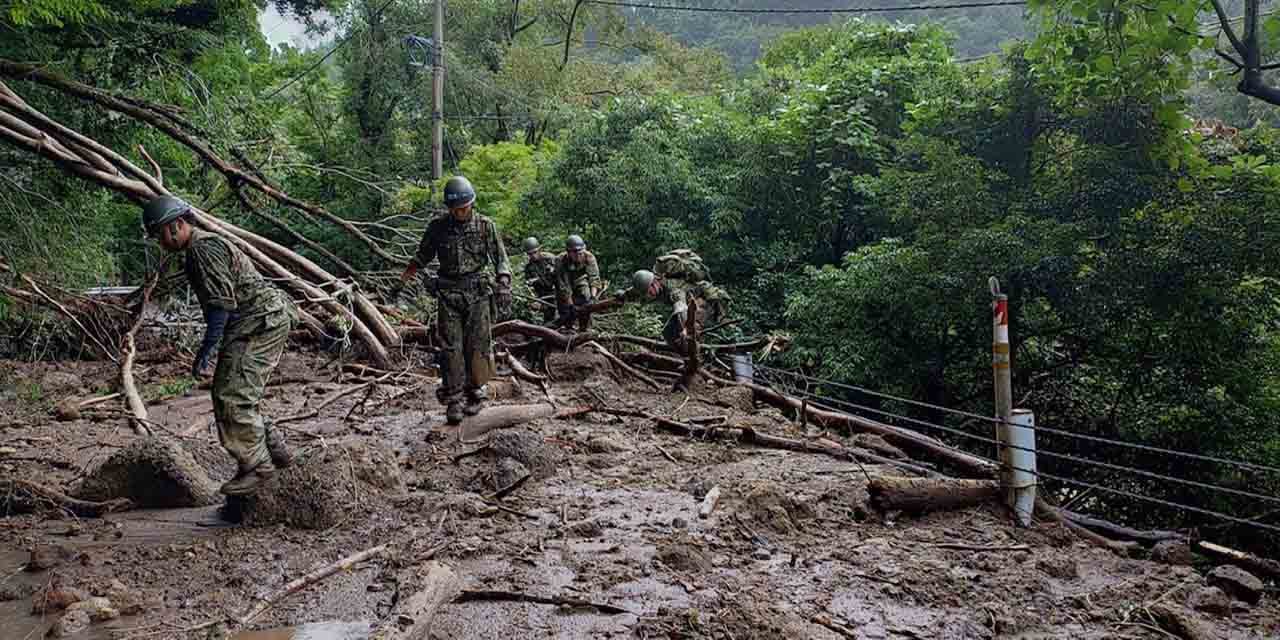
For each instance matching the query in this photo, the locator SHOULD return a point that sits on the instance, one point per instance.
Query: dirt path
(609, 516)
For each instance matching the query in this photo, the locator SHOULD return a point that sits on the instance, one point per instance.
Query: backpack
(682, 264)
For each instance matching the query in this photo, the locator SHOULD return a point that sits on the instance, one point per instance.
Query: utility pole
(437, 95)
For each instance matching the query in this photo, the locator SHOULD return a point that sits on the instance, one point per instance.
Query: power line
(326, 56)
(905, 8)
(1066, 434)
(1081, 483)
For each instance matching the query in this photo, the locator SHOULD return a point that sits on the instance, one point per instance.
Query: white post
(1021, 488)
(1000, 365)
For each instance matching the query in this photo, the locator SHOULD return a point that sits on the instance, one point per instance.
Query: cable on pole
(1067, 434)
(1081, 483)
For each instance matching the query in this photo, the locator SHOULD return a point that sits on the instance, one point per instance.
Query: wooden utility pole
(437, 95)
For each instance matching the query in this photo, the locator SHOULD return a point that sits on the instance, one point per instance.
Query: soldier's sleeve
(593, 273)
(211, 260)
(498, 252)
(426, 247)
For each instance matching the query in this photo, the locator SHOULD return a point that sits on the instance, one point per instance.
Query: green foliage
(502, 173)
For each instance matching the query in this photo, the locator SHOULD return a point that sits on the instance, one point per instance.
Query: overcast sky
(279, 29)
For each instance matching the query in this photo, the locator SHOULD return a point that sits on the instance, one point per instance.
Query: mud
(153, 473)
(792, 550)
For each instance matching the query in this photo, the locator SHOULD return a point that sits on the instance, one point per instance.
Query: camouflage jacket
(674, 293)
(463, 248)
(540, 272)
(572, 276)
(224, 277)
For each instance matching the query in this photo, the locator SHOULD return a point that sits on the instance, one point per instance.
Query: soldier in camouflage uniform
(465, 243)
(578, 281)
(540, 275)
(248, 322)
(677, 289)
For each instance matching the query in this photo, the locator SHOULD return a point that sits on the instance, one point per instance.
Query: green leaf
(1104, 64)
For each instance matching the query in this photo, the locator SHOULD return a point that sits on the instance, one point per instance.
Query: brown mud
(608, 514)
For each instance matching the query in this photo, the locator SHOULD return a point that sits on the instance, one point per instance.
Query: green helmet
(531, 244)
(163, 210)
(575, 243)
(641, 280)
(458, 193)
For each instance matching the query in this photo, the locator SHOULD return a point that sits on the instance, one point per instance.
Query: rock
(1210, 600)
(126, 600)
(503, 390)
(740, 398)
(683, 557)
(16, 591)
(1237, 583)
(1172, 552)
(1181, 622)
(527, 447)
(72, 622)
(508, 472)
(99, 609)
(48, 556)
(153, 473)
(1060, 567)
(586, 529)
(772, 509)
(679, 523)
(761, 554)
(605, 444)
(350, 476)
(56, 598)
(577, 366)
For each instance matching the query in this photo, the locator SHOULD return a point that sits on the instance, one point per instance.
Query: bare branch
(155, 166)
(1225, 20)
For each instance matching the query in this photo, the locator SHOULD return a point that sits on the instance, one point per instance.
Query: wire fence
(775, 377)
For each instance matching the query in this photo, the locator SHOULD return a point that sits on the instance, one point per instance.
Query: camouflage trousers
(710, 312)
(549, 309)
(466, 359)
(581, 297)
(245, 362)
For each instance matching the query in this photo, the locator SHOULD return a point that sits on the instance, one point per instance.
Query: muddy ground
(609, 515)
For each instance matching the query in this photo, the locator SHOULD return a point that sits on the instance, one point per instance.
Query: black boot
(453, 414)
(247, 481)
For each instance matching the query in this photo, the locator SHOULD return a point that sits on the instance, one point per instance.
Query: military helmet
(162, 210)
(458, 193)
(531, 244)
(641, 280)
(575, 243)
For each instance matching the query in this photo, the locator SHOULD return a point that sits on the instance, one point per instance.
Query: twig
(617, 362)
(469, 595)
(505, 491)
(501, 507)
(959, 546)
(308, 580)
(129, 349)
(664, 453)
(709, 502)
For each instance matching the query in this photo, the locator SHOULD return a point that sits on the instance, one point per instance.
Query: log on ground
(922, 495)
(511, 415)
(412, 620)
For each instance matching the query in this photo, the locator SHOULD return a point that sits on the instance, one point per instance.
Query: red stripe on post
(1001, 311)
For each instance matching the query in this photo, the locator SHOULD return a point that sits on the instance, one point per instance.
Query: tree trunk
(923, 495)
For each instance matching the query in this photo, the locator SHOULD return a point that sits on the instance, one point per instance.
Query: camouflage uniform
(713, 307)
(577, 284)
(465, 296)
(261, 318)
(540, 275)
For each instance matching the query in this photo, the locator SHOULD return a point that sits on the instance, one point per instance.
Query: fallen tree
(30, 130)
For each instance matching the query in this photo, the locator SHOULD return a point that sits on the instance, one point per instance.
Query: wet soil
(609, 514)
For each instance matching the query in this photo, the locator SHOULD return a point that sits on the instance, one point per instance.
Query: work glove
(502, 297)
(216, 319)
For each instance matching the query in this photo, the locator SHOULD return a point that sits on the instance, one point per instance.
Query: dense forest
(853, 180)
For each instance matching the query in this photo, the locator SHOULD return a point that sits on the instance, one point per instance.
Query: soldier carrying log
(678, 277)
(578, 282)
(466, 243)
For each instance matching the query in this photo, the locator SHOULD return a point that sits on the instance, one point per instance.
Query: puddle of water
(312, 631)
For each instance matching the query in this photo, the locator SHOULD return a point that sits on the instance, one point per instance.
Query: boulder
(528, 448)
(1237, 583)
(71, 623)
(1172, 552)
(1210, 600)
(740, 398)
